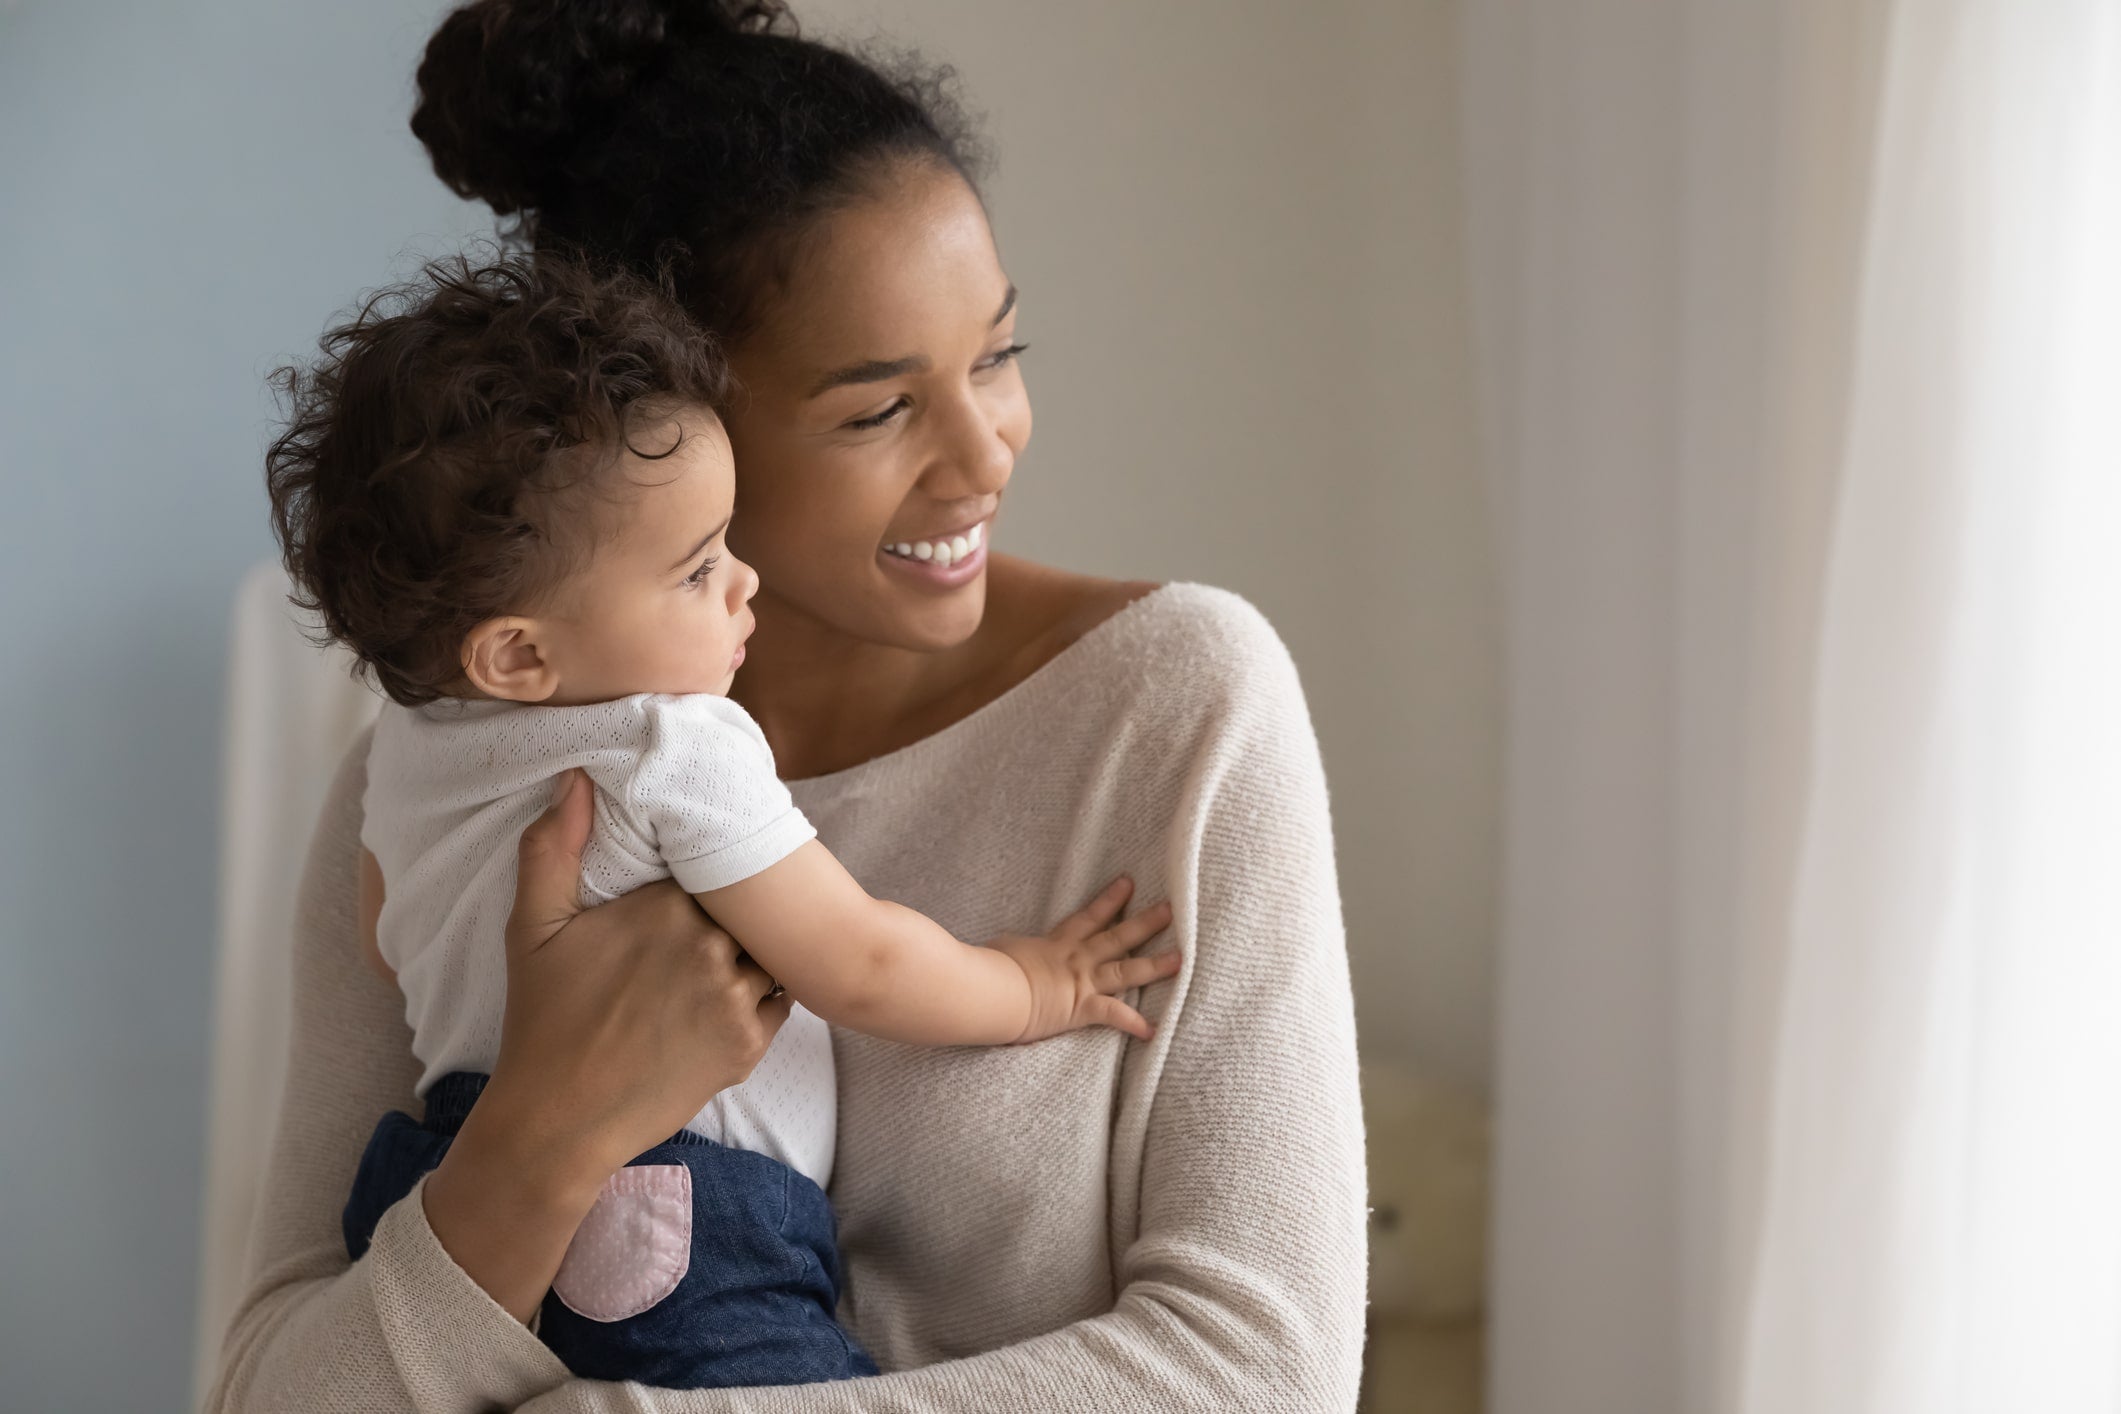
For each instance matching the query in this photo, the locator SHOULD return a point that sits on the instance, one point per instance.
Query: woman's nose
(977, 455)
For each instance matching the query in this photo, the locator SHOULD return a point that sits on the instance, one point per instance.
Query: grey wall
(1235, 227)
(186, 191)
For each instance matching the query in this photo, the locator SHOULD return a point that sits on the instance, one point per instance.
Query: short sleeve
(706, 792)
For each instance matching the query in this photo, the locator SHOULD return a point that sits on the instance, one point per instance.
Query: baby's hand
(1077, 970)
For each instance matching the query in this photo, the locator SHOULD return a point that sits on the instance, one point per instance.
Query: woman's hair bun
(508, 88)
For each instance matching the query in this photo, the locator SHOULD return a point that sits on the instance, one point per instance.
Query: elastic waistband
(449, 1101)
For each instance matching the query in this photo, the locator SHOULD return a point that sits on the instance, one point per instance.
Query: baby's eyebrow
(705, 541)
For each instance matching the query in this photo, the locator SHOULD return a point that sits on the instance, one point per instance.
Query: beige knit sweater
(1085, 1224)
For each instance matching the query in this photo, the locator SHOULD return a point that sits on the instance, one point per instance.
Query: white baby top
(685, 788)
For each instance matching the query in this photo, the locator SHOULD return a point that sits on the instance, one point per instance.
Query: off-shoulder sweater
(1089, 1223)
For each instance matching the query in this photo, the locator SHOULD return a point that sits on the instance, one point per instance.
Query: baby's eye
(699, 576)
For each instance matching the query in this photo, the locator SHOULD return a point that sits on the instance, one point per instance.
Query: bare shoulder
(1193, 647)
(1038, 610)
(1091, 601)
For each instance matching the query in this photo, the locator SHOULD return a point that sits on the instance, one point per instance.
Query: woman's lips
(942, 550)
(945, 561)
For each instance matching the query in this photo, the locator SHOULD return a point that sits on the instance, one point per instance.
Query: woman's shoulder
(1210, 630)
(1177, 632)
(1189, 694)
(1178, 656)
(1196, 640)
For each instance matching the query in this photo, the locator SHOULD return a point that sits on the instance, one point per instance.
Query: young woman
(1090, 1223)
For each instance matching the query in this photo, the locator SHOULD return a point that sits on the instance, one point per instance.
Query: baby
(507, 492)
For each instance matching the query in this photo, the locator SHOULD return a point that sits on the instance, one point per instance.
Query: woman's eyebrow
(877, 370)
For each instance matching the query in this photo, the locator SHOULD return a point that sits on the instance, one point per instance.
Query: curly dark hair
(421, 484)
(704, 133)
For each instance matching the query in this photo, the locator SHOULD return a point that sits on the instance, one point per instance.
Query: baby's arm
(880, 968)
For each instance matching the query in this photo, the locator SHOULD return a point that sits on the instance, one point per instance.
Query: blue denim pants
(750, 1303)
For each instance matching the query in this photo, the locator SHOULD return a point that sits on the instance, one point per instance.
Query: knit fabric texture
(1088, 1223)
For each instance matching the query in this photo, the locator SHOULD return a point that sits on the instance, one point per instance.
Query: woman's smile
(947, 559)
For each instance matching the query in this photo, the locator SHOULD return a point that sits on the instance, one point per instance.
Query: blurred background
(1677, 440)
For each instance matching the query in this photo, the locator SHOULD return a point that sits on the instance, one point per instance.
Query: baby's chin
(716, 687)
(705, 685)
(705, 681)
(703, 688)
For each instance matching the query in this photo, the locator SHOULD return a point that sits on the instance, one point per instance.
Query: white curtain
(1801, 373)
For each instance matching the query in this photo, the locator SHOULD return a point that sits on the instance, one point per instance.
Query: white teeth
(940, 552)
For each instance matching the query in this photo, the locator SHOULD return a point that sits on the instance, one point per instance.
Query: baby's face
(661, 605)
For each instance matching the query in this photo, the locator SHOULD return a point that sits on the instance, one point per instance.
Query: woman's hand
(621, 1023)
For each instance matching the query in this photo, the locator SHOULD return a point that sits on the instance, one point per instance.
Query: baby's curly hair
(415, 489)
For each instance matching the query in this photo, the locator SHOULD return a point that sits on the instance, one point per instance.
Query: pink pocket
(634, 1247)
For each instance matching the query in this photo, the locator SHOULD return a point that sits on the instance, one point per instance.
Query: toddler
(506, 490)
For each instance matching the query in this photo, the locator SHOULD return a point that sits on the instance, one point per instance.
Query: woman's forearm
(404, 1328)
(503, 1214)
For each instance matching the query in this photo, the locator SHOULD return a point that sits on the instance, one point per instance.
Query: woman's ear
(509, 659)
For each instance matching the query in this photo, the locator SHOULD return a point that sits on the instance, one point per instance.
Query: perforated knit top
(685, 788)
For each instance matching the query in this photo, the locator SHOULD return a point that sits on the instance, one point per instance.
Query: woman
(1089, 1223)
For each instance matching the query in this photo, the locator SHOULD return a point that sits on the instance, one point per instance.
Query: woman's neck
(827, 700)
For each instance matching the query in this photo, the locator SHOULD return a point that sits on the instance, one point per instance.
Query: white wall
(1235, 225)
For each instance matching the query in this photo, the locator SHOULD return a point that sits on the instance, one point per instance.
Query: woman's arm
(1244, 1286)
(431, 1318)
(885, 970)
(314, 1332)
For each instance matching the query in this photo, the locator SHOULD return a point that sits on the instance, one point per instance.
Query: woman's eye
(1007, 355)
(699, 576)
(898, 405)
(902, 402)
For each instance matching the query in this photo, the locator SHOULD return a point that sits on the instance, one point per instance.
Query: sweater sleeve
(404, 1328)
(1244, 1285)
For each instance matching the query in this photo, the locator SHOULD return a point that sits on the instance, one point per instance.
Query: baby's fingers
(1136, 971)
(1112, 1012)
(1128, 934)
(1097, 912)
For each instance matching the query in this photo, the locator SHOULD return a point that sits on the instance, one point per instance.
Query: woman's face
(882, 408)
